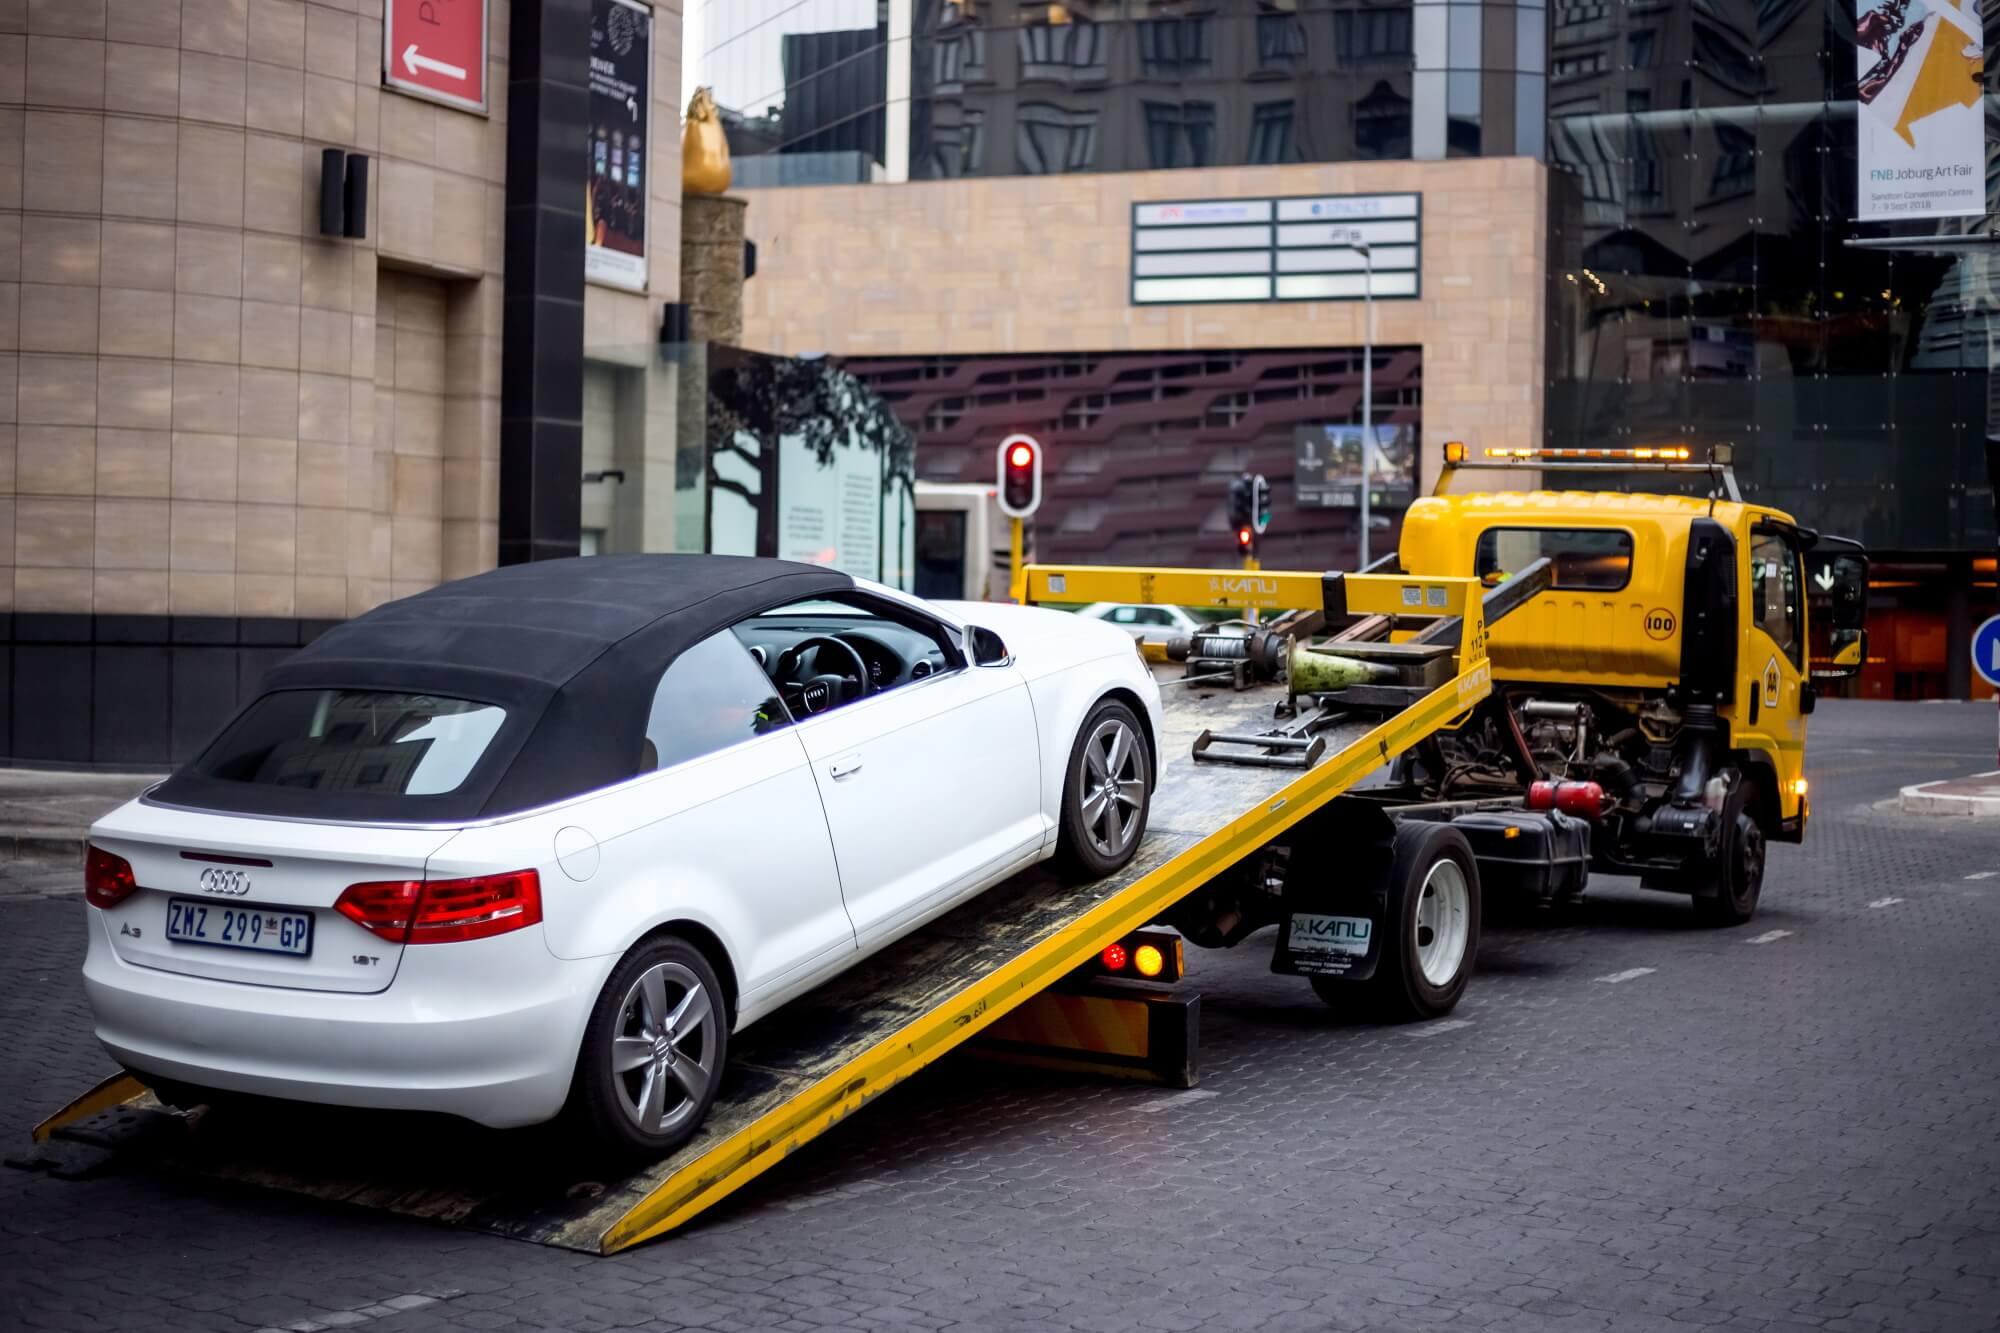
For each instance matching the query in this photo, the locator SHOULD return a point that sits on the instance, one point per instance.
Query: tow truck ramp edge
(796, 1078)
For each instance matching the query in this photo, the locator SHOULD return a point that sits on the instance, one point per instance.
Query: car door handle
(844, 767)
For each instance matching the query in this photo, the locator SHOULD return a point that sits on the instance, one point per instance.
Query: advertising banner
(621, 62)
(1328, 466)
(1922, 128)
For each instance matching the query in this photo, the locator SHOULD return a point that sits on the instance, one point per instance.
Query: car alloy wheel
(663, 1056)
(1114, 788)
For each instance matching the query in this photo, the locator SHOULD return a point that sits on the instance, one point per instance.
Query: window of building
(1372, 37)
(1576, 13)
(1718, 54)
(1382, 124)
(1271, 133)
(1735, 163)
(1064, 53)
(1050, 139)
(956, 149)
(1463, 31)
(712, 696)
(958, 58)
(1281, 41)
(1462, 113)
(1180, 134)
(1175, 48)
(1642, 49)
(1580, 65)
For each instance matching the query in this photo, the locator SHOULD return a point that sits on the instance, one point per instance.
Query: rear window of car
(1599, 559)
(379, 742)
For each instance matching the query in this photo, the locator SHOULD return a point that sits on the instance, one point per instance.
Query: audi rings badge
(232, 882)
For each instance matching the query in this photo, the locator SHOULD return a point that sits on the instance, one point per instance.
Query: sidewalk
(1977, 796)
(43, 815)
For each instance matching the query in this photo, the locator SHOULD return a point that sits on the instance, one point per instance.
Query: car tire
(1434, 915)
(1107, 792)
(641, 1088)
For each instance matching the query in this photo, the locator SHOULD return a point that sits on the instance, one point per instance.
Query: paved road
(1630, 1124)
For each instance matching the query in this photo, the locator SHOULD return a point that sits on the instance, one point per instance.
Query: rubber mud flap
(1336, 902)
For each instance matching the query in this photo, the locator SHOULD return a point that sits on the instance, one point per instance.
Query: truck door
(1773, 669)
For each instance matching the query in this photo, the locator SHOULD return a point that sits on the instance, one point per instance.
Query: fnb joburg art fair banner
(1922, 128)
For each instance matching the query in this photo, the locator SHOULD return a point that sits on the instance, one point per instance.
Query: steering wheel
(815, 687)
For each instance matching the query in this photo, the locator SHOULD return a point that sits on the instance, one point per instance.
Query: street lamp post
(1355, 243)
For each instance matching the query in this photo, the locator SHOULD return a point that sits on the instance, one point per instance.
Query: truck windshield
(1598, 559)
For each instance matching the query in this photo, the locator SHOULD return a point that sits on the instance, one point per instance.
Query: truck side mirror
(1837, 589)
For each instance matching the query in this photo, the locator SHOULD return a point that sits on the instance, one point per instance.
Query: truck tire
(1433, 911)
(1735, 881)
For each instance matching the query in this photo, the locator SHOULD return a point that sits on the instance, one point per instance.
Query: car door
(930, 786)
(750, 833)
(1775, 668)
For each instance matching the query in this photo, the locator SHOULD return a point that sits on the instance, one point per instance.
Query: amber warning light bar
(1658, 457)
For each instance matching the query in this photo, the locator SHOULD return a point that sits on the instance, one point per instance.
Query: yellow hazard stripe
(773, 1136)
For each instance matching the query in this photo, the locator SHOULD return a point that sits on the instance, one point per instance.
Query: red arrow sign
(436, 49)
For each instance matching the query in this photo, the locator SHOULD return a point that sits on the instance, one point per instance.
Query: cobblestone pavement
(1630, 1124)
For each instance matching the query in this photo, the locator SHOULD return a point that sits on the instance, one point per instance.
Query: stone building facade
(219, 429)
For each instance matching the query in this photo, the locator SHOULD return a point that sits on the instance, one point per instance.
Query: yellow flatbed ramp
(800, 1071)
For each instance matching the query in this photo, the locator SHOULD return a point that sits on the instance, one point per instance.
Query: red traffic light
(1246, 537)
(1020, 482)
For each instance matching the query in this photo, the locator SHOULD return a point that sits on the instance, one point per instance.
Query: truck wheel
(1433, 915)
(1736, 880)
(652, 1053)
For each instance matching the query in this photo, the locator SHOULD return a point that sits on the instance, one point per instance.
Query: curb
(55, 846)
(1924, 799)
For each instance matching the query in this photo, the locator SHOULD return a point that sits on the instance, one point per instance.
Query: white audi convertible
(538, 842)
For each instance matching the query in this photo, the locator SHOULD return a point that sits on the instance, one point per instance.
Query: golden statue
(704, 150)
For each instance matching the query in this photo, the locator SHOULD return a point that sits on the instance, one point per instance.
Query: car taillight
(442, 911)
(472, 909)
(383, 908)
(107, 879)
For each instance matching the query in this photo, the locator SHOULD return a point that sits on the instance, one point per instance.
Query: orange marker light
(1148, 961)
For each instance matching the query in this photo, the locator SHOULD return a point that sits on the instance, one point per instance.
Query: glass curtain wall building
(1708, 283)
(847, 91)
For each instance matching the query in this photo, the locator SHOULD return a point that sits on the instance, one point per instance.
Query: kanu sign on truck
(436, 49)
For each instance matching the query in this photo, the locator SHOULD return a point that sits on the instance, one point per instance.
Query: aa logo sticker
(1660, 623)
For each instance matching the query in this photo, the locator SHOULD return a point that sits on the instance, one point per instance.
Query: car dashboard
(894, 655)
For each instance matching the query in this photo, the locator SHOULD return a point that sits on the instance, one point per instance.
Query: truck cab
(1670, 661)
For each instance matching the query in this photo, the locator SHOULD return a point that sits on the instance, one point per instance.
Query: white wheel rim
(1444, 922)
(663, 1049)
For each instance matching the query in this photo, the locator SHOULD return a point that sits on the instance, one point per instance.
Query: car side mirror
(986, 648)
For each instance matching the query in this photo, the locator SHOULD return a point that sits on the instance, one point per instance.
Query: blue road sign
(1986, 651)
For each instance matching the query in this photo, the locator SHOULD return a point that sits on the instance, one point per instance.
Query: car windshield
(376, 741)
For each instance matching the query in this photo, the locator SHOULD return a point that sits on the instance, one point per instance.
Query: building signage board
(1293, 249)
(1922, 150)
(621, 99)
(436, 49)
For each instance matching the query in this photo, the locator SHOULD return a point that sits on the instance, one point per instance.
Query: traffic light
(1020, 484)
(1260, 504)
(1241, 511)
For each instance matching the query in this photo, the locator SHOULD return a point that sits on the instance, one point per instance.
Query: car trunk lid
(225, 896)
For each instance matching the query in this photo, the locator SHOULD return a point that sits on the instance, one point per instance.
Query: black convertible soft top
(572, 649)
